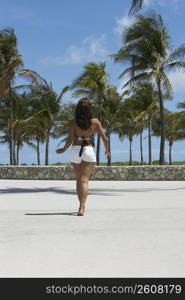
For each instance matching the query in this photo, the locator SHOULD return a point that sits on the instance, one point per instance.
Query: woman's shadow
(52, 214)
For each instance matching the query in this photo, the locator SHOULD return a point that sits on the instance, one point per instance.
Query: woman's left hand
(60, 150)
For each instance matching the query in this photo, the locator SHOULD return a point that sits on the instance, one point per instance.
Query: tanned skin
(84, 170)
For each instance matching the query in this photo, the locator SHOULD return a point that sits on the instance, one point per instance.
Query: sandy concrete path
(131, 229)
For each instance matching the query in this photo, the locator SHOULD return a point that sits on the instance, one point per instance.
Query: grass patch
(114, 163)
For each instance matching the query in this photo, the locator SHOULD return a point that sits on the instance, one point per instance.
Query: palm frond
(32, 75)
(22, 86)
(32, 145)
(172, 66)
(81, 92)
(136, 5)
(139, 78)
(167, 87)
(63, 91)
(177, 54)
(63, 140)
(181, 105)
(130, 70)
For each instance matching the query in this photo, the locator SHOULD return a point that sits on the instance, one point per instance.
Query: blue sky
(56, 38)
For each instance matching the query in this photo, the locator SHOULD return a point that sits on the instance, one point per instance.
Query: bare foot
(80, 213)
(81, 210)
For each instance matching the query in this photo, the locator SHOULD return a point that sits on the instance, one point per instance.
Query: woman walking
(83, 157)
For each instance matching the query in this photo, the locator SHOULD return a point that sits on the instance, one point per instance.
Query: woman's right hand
(107, 154)
(60, 150)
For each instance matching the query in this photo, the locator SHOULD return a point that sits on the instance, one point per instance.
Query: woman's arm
(69, 139)
(104, 138)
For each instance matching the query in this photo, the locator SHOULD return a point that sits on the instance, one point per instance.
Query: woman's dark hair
(83, 113)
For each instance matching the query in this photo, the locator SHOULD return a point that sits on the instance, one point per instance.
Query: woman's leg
(82, 183)
(77, 171)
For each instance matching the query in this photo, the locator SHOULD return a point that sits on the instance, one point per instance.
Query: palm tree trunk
(11, 126)
(161, 156)
(14, 152)
(98, 145)
(9, 153)
(98, 150)
(130, 151)
(47, 148)
(108, 133)
(149, 143)
(38, 152)
(170, 153)
(141, 146)
(18, 148)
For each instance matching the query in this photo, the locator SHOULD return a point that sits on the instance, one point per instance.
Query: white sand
(131, 229)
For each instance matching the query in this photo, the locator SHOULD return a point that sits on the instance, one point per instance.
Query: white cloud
(147, 3)
(177, 80)
(92, 48)
(123, 22)
(126, 20)
(162, 3)
(96, 45)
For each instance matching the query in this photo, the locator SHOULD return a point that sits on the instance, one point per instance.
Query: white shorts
(88, 154)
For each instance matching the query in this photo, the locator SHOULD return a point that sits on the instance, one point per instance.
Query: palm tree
(46, 105)
(4, 129)
(92, 83)
(173, 129)
(147, 105)
(110, 111)
(148, 39)
(181, 119)
(11, 65)
(66, 115)
(21, 112)
(36, 127)
(129, 123)
(135, 6)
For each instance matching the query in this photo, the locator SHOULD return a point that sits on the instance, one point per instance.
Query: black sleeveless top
(84, 140)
